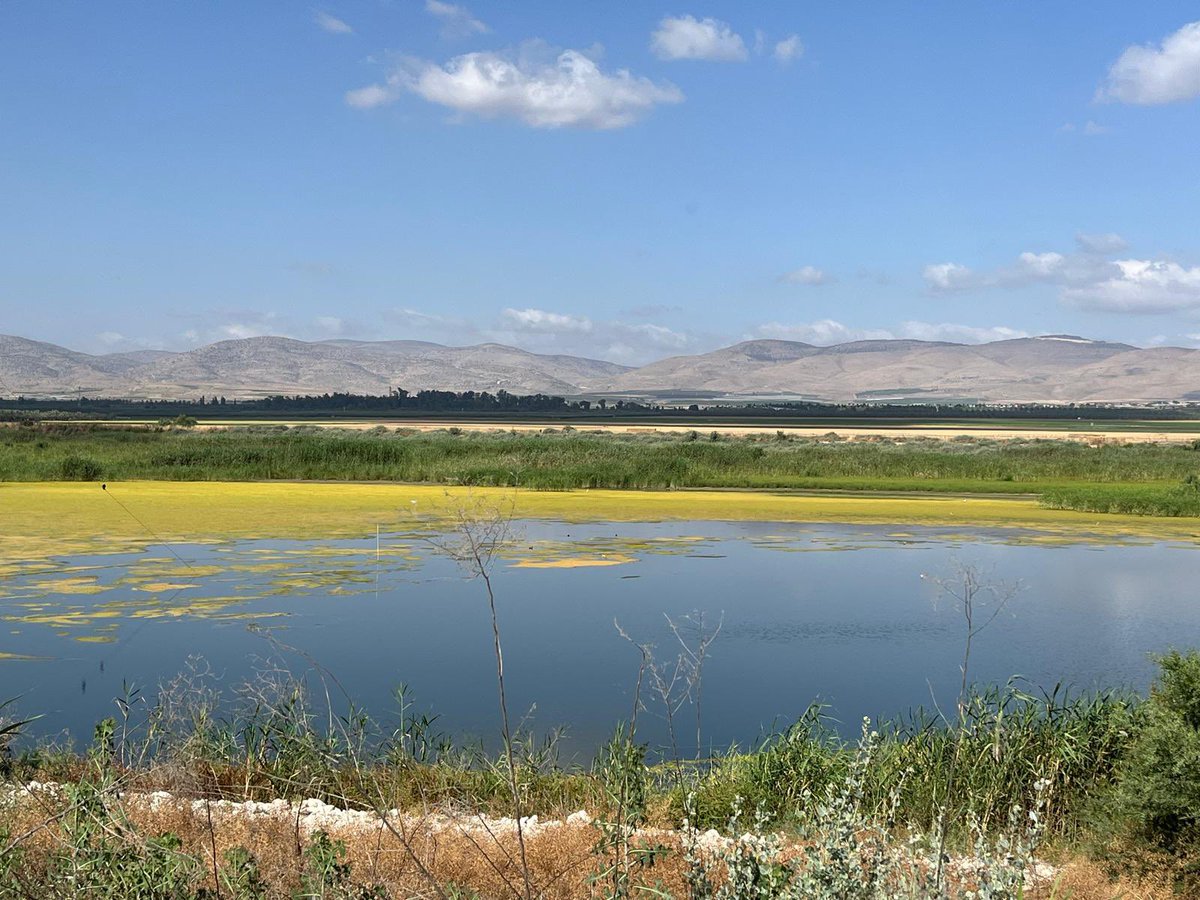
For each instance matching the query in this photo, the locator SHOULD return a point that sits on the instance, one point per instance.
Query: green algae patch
(40, 520)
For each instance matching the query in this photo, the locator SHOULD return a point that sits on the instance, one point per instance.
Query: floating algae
(201, 554)
(576, 562)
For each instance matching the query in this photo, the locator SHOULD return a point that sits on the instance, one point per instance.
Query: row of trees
(399, 402)
(395, 401)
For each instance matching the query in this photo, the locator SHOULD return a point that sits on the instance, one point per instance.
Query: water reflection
(831, 613)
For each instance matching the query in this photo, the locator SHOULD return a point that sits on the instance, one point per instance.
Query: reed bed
(277, 738)
(563, 459)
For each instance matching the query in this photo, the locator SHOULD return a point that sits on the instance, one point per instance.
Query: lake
(835, 614)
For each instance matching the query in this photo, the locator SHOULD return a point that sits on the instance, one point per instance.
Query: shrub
(79, 468)
(1159, 789)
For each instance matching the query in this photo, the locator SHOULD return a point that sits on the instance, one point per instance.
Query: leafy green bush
(79, 468)
(1159, 790)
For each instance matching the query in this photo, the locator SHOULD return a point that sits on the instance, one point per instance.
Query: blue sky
(626, 182)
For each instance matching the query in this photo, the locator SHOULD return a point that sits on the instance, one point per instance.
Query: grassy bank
(1090, 769)
(1136, 479)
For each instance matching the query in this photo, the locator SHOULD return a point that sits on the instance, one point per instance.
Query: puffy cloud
(1040, 265)
(658, 335)
(788, 49)
(1148, 75)
(966, 334)
(569, 90)
(371, 96)
(240, 330)
(548, 331)
(824, 332)
(331, 24)
(809, 275)
(948, 276)
(1087, 279)
(1028, 268)
(457, 21)
(1140, 286)
(686, 37)
(544, 320)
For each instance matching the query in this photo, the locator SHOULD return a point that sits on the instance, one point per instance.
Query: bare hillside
(1049, 369)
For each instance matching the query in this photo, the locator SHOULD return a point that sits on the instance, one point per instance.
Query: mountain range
(1046, 369)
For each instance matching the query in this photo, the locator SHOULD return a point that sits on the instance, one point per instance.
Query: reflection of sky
(835, 613)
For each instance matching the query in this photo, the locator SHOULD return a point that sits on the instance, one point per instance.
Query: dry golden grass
(1085, 879)
(409, 856)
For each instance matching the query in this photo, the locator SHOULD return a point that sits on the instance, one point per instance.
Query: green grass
(564, 460)
(282, 748)
(1126, 499)
(1135, 478)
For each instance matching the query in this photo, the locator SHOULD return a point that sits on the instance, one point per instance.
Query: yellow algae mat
(54, 519)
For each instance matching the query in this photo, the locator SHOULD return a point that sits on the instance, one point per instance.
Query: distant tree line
(502, 404)
(397, 401)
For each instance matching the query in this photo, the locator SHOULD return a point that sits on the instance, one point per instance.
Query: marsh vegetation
(1144, 479)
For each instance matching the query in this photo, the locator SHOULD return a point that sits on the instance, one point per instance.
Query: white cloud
(809, 275)
(1140, 286)
(824, 332)
(457, 21)
(658, 335)
(569, 90)
(371, 96)
(686, 37)
(241, 330)
(544, 320)
(548, 331)
(1040, 265)
(947, 276)
(1148, 75)
(788, 49)
(1101, 243)
(1028, 268)
(331, 24)
(966, 334)
(1087, 279)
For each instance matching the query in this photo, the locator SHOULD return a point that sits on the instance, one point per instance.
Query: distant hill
(1047, 369)
(261, 366)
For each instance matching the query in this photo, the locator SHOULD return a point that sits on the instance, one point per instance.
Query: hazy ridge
(1049, 369)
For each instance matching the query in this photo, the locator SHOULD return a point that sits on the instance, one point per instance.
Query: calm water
(831, 613)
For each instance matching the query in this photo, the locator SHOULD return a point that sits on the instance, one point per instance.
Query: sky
(622, 181)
